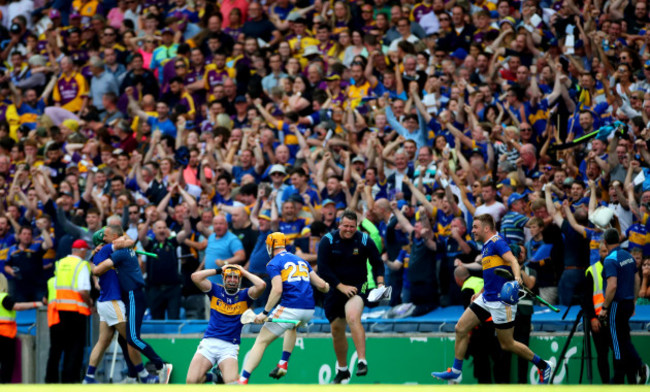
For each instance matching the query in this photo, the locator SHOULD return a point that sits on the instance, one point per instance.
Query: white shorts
(502, 314)
(216, 350)
(302, 315)
(111, 312)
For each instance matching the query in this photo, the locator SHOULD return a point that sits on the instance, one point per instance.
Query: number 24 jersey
(297, 292)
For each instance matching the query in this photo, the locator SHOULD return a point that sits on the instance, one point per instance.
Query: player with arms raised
(291, 280)
(497, 300)
(220, 343)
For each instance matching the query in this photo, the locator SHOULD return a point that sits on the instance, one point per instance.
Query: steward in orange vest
(68, 310)
(8, 329)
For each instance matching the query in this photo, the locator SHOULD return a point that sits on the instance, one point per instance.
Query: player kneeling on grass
(498, 300)
(220, 343)
(291, 280)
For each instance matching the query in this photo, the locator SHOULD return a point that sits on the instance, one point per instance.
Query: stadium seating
(439, 320)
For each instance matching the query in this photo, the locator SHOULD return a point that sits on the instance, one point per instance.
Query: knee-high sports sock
(244, 375)
(285, 358)
(141, 371)
(539, 362)
(458, 365)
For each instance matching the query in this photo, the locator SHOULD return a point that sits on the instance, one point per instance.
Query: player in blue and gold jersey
(220, 343)
(491, 305)
(291, 281)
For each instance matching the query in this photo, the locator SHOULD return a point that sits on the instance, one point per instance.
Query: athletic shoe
(165, 373)
(279, 371)
(545, 374)
(89, 380)
(642, 374)
(242, 382)
(218, 378)
(362, 369)
(342, 377)
(450, 376)
(150, 379)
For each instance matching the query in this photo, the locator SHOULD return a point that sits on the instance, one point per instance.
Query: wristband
(265, 312)
(217, 271)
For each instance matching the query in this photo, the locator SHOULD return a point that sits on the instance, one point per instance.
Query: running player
(220, 343)
(496, 254)
(291, 280)
(129, 275)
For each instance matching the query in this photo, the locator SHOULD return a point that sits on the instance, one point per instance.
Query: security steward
(592, 305)
(67, 313)
(621, 285)
(8, 329)
(342, 262)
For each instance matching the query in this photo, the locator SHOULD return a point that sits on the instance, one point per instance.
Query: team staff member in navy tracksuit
(342, 262)
(621, 288)
(125, 262)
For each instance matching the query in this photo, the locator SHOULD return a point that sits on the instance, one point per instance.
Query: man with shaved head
(163, 277)
(223, 247)
(242, 227)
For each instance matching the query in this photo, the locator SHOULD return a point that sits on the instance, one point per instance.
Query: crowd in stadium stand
(234, 119)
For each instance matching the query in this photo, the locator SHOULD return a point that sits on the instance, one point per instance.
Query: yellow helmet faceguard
(229, 270)
(274, 241)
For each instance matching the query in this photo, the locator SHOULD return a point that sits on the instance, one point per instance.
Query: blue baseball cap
(459, 54)
(514, 197)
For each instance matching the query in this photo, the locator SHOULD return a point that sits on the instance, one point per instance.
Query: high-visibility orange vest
(598, 296)
(52, 311)
(7, 320)
(63, 289)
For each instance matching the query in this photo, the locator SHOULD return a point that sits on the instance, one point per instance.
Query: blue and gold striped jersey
(225, 313)
(442, 224)
(637, 235)
(297, 292)
(493, 251)
(294, 229)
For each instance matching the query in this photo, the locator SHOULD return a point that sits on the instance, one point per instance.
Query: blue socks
(458, 365)
(539, 362)
(141, 371)
(285, 357)
(91, 371)
(209, 377)
(245, 374)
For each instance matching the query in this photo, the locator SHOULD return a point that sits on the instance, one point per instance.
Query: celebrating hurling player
(291, 280)
(498, 300)
(112, 315)
(220, 343)
(131, 283)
